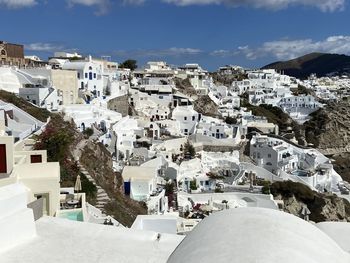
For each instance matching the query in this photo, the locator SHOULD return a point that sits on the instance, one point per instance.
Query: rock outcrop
(329, 128)
(206, 106)
(323, 207)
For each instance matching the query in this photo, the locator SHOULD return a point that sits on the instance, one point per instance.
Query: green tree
(193, 184)
(188, 150)
(130, 64)
(230, 120)
(88, 132)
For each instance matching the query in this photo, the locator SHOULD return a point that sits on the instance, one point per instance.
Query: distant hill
(320, 63)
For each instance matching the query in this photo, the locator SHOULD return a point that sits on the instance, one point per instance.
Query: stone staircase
(102, 197)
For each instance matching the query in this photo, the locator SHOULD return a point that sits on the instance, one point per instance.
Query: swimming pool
(75, 215)
(301, 173)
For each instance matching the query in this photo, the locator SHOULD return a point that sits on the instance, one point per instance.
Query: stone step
(103, 203)
(105, 199)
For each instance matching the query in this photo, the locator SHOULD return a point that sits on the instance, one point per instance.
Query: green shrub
(88, 132)
(88, 188)
(188, 150)
(230, 120)
(193, 184)
(56, 139)
(289, 188)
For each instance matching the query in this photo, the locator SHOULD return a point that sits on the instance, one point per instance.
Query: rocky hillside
(319, 63)
(329, 128)
(206, 106)
(227, 80)
(184, 86)
(98, 162)
(329, 132)
(323, 207)
(202, 104)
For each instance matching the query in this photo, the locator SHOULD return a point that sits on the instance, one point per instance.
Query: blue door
(90, 75)
(127, 188)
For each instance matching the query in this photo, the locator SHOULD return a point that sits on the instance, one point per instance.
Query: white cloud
(133, 2)
(18, 3)
(182, 51)
(224, 53)
(324, 5)
(100, 5)
(43, 47)
(289, 49)
(159, 53)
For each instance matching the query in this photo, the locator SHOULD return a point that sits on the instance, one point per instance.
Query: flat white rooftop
(62, 240)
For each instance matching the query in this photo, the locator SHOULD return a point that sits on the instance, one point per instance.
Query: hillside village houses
(165, 150)
(292, 162)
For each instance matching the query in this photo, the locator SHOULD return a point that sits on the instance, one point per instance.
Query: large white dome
(247, 235)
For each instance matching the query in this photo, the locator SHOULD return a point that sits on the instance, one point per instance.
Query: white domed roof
(247, 235)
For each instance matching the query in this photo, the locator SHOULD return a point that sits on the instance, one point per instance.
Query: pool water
(300, 173)
(72, 215)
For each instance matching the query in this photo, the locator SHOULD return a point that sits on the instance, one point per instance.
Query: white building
(299, 107)
(291, 162)
(127, 130)
(139, 182)
(187, 119)
(89, 75)
(20, 164)
(17, 122)
(277, 236)
(87, 115)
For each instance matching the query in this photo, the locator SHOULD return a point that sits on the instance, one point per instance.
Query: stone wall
(119, 104)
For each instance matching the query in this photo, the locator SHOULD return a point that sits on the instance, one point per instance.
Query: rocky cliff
(329, 128)
(323, 207)
(206, 106)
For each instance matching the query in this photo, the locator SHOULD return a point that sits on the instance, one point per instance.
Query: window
(269, 155)
(217, 130)
(86, 75)
(3, 160)
(78, 75)
(37, 158)
(193, 118)
(186, 130)
(94, 75)
(90, 68)
(185, 118)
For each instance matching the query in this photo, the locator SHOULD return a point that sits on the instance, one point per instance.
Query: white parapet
(16, 220)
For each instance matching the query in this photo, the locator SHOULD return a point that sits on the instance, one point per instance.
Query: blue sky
(250, 33)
